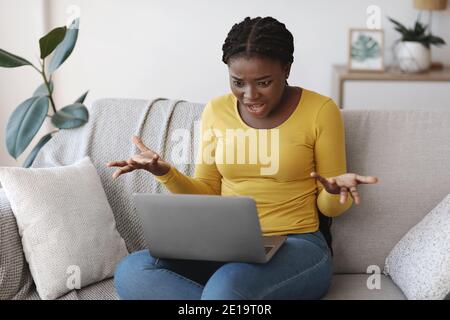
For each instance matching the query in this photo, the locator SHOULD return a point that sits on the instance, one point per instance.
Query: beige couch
(408, 150)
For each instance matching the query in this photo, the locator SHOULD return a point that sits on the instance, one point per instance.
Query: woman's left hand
(343, 183)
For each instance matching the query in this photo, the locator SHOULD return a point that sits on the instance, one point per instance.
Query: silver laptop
(204, 227)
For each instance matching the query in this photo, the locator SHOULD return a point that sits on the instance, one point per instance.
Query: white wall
(172, 48)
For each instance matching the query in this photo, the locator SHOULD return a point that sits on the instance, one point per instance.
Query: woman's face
(258, 83)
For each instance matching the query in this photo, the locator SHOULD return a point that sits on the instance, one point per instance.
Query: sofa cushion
(420, 262)
(103, 290)
(67, 228)
(354, 287)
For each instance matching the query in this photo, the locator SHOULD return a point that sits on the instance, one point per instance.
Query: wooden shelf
(341, 73)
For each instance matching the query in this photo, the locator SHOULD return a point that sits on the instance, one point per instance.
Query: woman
(310, 147)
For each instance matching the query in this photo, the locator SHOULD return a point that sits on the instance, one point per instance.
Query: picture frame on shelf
(366, 50)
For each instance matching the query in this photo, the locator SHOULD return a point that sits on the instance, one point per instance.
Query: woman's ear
(287, 70)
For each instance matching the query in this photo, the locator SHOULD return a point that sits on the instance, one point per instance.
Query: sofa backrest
(409, 151)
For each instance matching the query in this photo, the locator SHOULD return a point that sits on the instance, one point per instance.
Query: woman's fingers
(347, 183)
(322, 179)
(319, 177)
(355, 195)
(134, 164)
(122, 171)
(344, 195)
(366, 179)
(155, 159)
(353, 192)
(116, 163)
(140, 161)
(138, 142)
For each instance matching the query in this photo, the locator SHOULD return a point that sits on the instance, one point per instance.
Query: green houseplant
(28, 117)
(413, 49)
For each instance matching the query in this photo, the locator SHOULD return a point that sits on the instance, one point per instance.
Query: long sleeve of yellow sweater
(272, 166)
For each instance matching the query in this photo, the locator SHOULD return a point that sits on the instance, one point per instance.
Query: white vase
(413, 56)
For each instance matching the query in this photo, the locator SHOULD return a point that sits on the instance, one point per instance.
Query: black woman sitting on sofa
(308, 179)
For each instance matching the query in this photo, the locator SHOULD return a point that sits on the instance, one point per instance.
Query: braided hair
(259, 36)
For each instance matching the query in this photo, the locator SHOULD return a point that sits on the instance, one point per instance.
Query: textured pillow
(68, 231)
(419, 264)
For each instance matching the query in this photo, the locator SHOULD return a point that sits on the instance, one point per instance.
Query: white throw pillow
(419, 264)
(67, 227)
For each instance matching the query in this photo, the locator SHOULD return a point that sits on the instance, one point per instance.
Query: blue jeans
(301, 269)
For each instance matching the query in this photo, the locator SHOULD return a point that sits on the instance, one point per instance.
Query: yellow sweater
(272, 166)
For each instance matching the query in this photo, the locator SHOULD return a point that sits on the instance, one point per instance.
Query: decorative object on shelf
(412, 51)
(431, 6)
(28, 117)
(366, 50)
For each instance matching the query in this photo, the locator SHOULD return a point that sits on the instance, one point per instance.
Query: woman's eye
(264, 83)
(240, 84)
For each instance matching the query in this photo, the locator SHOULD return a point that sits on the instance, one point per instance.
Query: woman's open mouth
(256, 109)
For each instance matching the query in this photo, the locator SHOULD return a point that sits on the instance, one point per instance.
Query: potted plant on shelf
(413, 49)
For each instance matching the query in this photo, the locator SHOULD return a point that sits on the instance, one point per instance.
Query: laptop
(204, 227)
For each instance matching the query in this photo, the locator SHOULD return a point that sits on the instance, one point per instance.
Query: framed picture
(366, 50)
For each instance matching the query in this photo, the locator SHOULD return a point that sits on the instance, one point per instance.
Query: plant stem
(47, 84)
(36, 68)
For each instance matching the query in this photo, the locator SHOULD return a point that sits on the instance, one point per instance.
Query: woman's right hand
(147, 160)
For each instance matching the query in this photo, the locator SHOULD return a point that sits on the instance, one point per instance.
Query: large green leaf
(24, 123)
(435, 40)
(42, 90)
(49, 42)
(400, 27)
(419, 29)
(65, 48)
(9, 60)
(71, 116)
(365, 47)
(29, 161)
(82, 97)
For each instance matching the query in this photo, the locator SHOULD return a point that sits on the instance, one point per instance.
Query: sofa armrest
(12, 261)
